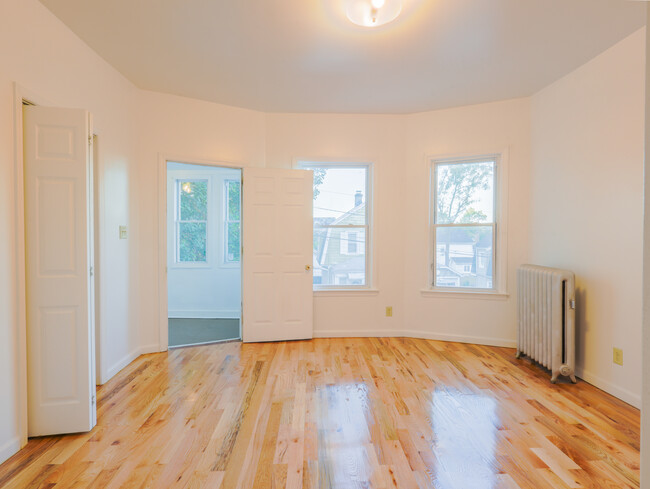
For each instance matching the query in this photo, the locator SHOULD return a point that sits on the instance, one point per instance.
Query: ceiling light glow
(373, 13)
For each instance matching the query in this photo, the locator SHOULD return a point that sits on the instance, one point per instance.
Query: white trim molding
(9, 449)
(204, 314)
(623, 394)
(400, 333)
(461, 294)
(127, 359)
(453, 338)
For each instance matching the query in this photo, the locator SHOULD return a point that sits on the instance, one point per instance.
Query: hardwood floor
(340, 413)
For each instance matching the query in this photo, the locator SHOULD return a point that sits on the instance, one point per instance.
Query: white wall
(397, 146)
(182, 130)
(502, 127)
(594, 174)
(213, 289)
(587, 205)
(51, 63)
(356, 138)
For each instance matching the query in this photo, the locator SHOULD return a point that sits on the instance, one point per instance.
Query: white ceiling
(304, 56)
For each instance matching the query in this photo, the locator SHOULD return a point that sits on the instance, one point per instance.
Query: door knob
(307, 267)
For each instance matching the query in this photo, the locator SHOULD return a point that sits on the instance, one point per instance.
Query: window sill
(190, 266)
(453, 294)
(345, 292)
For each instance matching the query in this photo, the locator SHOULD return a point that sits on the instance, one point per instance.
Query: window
(341, 224)
(464, 223)
(191, 220)
(232, 230)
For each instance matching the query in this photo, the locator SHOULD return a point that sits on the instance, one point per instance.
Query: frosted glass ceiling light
(373, 13)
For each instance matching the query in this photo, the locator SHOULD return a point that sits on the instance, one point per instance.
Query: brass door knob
(307, 267)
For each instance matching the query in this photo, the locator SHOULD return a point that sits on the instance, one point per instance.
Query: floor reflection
(465, 428)
(345, 453)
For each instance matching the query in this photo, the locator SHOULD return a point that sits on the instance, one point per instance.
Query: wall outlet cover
(618, 356)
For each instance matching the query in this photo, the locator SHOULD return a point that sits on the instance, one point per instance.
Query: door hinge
(92, 271)
(90, 140)
(93, 399)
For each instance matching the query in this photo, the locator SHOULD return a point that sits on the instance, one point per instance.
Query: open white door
(277, 254)
(58, 236)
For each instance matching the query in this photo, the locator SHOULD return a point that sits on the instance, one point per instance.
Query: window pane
(464, 257)
(465, 192)
(339, 256)
(192, 241)
(233, 251)
(233, 201)
(193, 196)
(339, 195)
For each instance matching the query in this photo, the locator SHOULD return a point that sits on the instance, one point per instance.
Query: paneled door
(59, 260)
(277, 254)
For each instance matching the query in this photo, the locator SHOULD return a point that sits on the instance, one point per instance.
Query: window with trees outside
(464, 223)
(232, 221)
(341, 224)
(191, 220)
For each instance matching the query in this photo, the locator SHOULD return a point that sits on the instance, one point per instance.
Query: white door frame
(23, 94)
(163, 159)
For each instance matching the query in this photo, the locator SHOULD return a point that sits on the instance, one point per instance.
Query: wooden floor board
(340, 413)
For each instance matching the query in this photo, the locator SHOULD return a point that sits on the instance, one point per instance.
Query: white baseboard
(358, 333)
(9, 448)
(476, 340)
(623, 394)
(400, 333)
(124, 361)
(204, 314)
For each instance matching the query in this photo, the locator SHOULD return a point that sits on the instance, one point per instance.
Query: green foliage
(319, 177)
(193, 196)
(194, 200)
(458, 186)
(471, 215)
(192, 241)
(234, 225)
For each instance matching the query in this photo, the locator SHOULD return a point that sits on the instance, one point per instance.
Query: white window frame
(368, 167)
(177, 221)
(226, 220)
(499, 224)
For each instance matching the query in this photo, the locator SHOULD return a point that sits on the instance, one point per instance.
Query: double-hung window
(232, 221)
(191, 220)
(341, 225)
(464, 196)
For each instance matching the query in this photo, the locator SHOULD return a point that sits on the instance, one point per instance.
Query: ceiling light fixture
(373, 13)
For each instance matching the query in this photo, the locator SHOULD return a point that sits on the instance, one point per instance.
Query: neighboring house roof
(338, 221)
(316, 263)
(461, 260)
(447, 272)
(355, 263)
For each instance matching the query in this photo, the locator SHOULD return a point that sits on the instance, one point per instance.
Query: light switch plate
(122, 232)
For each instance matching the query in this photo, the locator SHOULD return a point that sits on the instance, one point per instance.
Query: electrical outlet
(389, 311)
(618, 356)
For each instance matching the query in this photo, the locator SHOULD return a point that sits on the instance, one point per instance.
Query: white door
(58, 236)
(277, 254)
